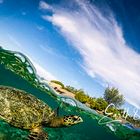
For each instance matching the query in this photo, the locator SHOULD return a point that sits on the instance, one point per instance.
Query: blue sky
(86, 44)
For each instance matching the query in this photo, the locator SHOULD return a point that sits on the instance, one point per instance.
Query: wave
(22, 66)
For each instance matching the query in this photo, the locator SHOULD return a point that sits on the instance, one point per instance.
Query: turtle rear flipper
(38, 134)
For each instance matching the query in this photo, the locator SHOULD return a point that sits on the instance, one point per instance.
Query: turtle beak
(72, 120)
(80, 119)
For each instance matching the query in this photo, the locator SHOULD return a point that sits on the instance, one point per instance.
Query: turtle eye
(75, 119)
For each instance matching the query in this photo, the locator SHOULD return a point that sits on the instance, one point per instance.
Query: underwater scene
(17, 71)
(69, 70)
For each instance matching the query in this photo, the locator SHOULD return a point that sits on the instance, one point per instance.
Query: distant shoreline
(59, 88)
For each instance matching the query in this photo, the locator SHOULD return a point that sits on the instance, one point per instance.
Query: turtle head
(71, 120)
(64, 121)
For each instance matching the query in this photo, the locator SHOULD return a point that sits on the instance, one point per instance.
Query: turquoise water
(17, 71)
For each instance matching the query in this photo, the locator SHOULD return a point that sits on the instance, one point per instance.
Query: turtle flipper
(38, 134)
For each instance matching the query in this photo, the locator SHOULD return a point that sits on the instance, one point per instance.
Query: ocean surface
(17, 71)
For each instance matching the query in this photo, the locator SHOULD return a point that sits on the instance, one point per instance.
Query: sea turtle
(25, 111)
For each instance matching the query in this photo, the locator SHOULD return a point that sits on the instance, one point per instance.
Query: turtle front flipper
(38, 134)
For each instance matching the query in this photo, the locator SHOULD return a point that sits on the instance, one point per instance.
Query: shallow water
(26, 79)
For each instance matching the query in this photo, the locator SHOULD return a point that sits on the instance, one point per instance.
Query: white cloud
(17, 46)
(43, 5)
(52, 51)
(42, 72)
(14, 41)
(39, 27)
(100, 42)
(10, 42)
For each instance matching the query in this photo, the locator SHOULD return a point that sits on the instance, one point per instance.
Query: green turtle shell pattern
(21, 109)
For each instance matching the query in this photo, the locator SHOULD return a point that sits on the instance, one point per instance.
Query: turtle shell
(22, 109)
